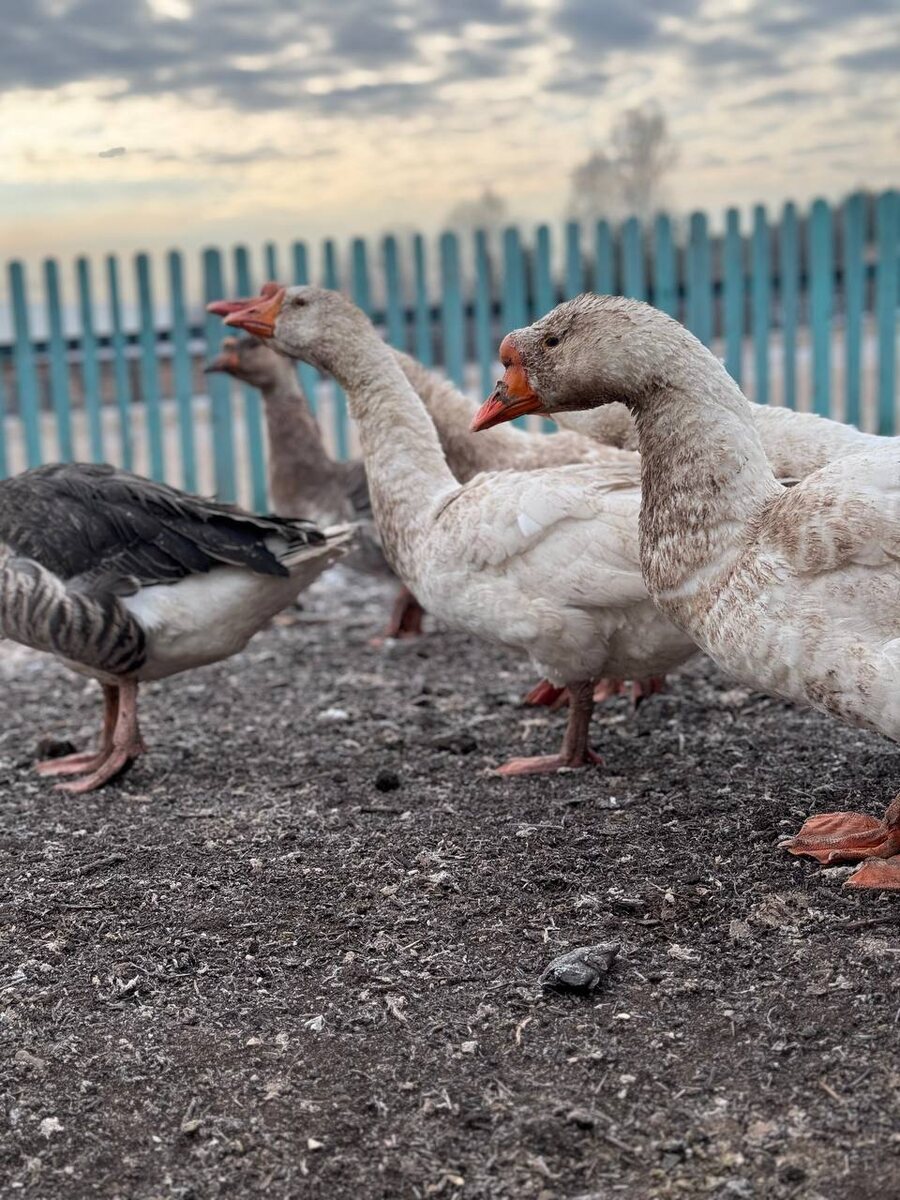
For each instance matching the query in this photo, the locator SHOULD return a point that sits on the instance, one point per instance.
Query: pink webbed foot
(845, 837)
(122, 742)
(71, 764)
(642, 688)
(406, 619)
(546, 695)
(114, 764)
(549, 764)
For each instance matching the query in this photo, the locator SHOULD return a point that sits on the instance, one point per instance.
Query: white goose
(544, 561)
(126, 580)
(795, 591)
(304, 479)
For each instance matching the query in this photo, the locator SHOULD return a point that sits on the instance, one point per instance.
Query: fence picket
(733, 297)
(422, 307)
(90, 367)
(308, 375)
(121, 373)
(853, 269)
(633, 274)
(699, 279)
(887, 219)
(218, 385)
(604, 260)
(253, 413)
(665, 287)
(26, 372)
(182, 382)
(821, 266)
(789, 274)
(761, 320)
(59, 366)
(4, 453)
(574, 276)
(150, 386)
(341, 420)
(484, 342)
(393, 293)
(452, 310)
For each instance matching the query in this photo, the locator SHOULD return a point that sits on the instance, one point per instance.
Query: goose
(126, 580)
(544, 561)
(795, 443)
(304, 480)
(794, 591)
(302, 475)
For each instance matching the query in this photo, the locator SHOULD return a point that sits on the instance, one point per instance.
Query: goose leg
(406, 616)
(127, 745)
(845, 837)
(78, 764)
(545, 695)
(575, 752)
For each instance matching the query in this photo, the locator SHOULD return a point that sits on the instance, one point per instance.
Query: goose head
(586, 352)
(249, 360)
(308, 323)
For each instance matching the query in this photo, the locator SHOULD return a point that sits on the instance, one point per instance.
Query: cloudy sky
(243, 119)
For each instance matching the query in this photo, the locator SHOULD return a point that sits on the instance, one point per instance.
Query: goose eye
(551, 340)
(299, 302)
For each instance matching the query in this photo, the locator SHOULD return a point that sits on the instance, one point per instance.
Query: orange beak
(227, 359)
(223, 308)
(260, 316)
(512, 397)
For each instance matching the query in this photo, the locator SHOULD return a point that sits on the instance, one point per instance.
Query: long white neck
(704, 474)
(303, 479)
(405, 466)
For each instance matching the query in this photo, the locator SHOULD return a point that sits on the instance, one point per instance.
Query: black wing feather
(109, 530)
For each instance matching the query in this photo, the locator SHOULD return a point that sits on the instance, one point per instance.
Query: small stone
(26, 1059)
(333, 716)
(387, 780)
(458, 741)
(581, 1118)
(581, 969)
(792, 1173)
(314, 1144)
(469, 1047)
(53, 747)
(49, 1126)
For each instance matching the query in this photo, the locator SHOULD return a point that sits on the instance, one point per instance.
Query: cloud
(876, 58)
(113, 152)
(785, 97)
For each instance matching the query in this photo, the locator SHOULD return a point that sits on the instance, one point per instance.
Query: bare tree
(643, 154)
(595, 190)
(487, 211)
(628, 180)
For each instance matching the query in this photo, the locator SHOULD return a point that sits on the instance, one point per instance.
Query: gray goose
(303, 477)
(126, 580)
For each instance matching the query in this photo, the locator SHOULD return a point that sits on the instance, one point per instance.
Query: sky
(142, 124)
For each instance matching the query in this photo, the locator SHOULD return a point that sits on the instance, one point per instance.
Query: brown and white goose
(544, 561)
(796, 591)
(126, 580)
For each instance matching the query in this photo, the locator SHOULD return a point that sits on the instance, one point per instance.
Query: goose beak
(226, 360)
(513, 396)
(260, 316)
(223, 308)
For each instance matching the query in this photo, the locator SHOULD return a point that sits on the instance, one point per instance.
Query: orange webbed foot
(845, 837)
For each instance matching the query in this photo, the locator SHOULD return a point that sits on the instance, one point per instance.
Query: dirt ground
(296, 952)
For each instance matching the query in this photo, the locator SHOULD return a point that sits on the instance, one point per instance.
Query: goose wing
(103, 529)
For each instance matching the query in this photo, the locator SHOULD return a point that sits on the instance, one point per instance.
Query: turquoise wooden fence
(106, 364)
